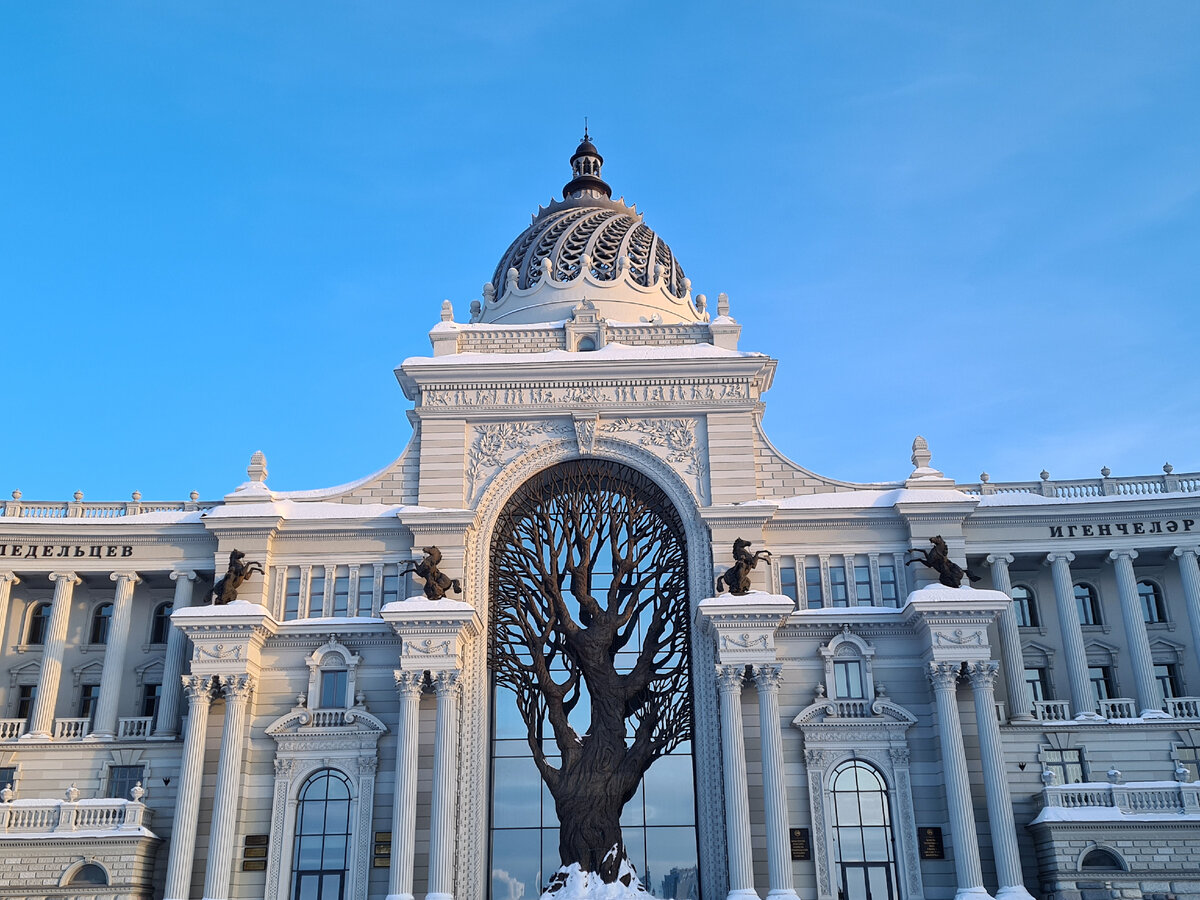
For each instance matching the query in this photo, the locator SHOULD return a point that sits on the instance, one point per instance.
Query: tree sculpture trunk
(589, 574)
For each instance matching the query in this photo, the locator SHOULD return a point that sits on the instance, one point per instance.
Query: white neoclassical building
(852, 729)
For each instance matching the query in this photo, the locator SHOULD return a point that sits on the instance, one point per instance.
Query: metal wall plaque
(798, 838)
(930, 841)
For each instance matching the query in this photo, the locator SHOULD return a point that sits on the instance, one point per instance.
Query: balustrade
(34, 816)
(1133, 486)
(134, 727)
(852, 709)
(71, 729)
(1133, 798)
(11, 729)
(1052, 710)
(1183, 707)
(1119, 708)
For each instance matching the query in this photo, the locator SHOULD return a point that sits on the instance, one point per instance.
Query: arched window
(862, 833)
(1101, 860)
(320, 862)
(1025, 606)
(37, 624)
(1153, 608)
(101, 622)
(1087, 601)
(160, 624)
(89, 873)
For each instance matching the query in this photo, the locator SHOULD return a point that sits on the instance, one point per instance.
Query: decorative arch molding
(332, 655)
(880, 740)
(849, 647)
(305, 744)
(26, 616)
(474, 750)
(1103, 848)
(64, 880)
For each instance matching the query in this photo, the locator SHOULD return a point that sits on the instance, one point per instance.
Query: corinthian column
(995, 785)
(168, 703)
(237, 689)
(41, 719)
(1148, 695)
(1010, 639)
(404, 805)
(737, 798)
(187, 803)
(944, 676)
(114, 656)
(1083, 704)
(7, 580)
(779, 863)
(445, 788)
(1189, 574)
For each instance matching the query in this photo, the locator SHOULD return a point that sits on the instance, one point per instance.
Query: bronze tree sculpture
(225, 590)
(938, 558)
(590, 603)
(437, 584)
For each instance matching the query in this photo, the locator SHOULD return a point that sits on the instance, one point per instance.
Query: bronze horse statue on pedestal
(225, 590)
(949, 572)
(737, 579)
(437, 585)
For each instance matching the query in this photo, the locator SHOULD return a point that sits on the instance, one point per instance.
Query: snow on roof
(865, 499)
(170, 517)
(421, 604)
(609, 352)
(1108, 814)
(1018, 498)
(291, 509)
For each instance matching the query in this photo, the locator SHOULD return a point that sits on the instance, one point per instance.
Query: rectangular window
(25, 694)
(333, 689)
(1189, 758)
(316, 593)
(151, 694)
(837, 585)
(889, 590)
(391, 589)
(8, 775)
(366, 591)
(1168, 679)
(1067, 765)
(787, 583)
(812, 587)
(89, 694)
(341, 595)
(848, 680)
(121, 780)
(1035, 685)
(291, 597)
(862, 586)
(1102, 682)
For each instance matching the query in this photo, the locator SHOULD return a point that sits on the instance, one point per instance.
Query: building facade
(857, 729)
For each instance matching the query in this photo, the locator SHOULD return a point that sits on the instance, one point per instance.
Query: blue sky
(223, 224)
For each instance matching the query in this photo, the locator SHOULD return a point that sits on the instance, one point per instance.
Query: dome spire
(585, 167)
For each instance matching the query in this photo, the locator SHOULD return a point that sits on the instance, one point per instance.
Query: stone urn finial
(6, 794)
(921, 457)
(72, 793)
(78, 496)
(257, 470)
(137, 793)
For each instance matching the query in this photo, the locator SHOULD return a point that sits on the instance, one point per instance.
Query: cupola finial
(585, 169)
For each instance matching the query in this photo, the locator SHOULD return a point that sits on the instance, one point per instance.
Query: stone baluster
(1083, 703)
(114, 656)
(41, 719)
(444, 802)
(779, 864)
(1189, 574)
(237, 690)
(168, 703)
(1007, 854)
(1149, 696)
(967, 868)
(737, 797)
(198, 690)
(404, 805)
(1012, 658)
(7, 580)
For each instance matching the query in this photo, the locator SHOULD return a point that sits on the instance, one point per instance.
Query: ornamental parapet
(1169, 482)
(1104, 801)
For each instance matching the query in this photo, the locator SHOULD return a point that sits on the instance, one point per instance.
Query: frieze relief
(497, 443)
(959, 638)
(557, 395)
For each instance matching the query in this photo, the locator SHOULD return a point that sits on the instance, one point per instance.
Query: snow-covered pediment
(314, 722)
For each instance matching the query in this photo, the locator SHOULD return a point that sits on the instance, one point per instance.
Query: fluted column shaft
(1148, 695)
(1189, 574)
(168, 703)
(445, 788)
(737, 797)
(1083, 704)
(944, 676)
(779, 863)
(237, 689)
(404, 804)
(41, 719)
(995, 785)
(1012, 657)
(187, 802)
(7, 580)
(114, 656)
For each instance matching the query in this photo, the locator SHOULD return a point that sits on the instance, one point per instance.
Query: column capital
(944, 675)
(126, 576)
(236, 687)
(1000, 559)
(445, 682)
(729, 679)
(68, 577)
(1114, 555)
(768, 676)
(1180, 552)
(982, 674)
(188, 574)
(9, 578)
(198, 687)
(1056, 555)
(408, 682)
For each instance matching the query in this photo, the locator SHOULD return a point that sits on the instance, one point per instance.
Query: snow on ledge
(581, 885)
(421, 604)
(209, 610)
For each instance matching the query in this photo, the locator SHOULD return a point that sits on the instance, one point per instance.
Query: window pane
(517, 789)
(862, 585)
(837, 585)
(316, 594)
(341, 595)
(787, 582)
(669, 792)
(812, 587)
(366, 590)
(516, 864)
(333, 689)
(671, 863)
(291, 599)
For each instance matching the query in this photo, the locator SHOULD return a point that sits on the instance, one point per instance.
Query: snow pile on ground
(572, 883)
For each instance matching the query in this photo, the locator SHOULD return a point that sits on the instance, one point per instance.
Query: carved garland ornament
(496, 443)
